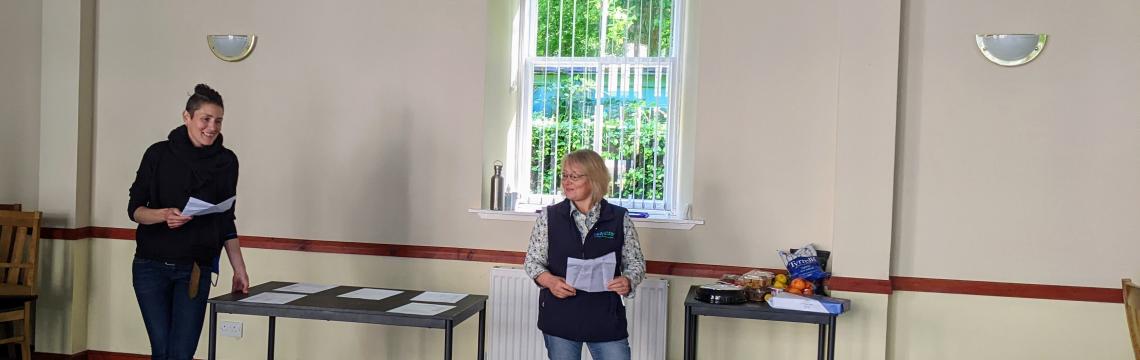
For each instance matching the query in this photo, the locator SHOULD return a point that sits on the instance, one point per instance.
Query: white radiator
(513, 328)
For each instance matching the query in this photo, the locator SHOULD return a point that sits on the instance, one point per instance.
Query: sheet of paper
(273, 298)
(370, 294)
(591, 275)
(439, 297)
(305, 288)
(421, 309)
(196, 207)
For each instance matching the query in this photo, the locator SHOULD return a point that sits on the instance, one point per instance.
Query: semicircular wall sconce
(231, 47)
(1011, 49)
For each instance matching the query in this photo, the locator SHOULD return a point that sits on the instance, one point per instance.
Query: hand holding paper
(593, 274)
(171, 216)
(619, 285)
(195, 207)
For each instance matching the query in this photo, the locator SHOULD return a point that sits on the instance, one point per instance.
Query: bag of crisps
(803, 263)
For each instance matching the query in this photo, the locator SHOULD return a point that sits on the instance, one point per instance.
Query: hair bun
(203, 93)
(204, 90)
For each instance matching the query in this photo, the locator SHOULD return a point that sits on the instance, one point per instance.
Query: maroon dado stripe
(1031, 291)
(874, 286)
(65, 234)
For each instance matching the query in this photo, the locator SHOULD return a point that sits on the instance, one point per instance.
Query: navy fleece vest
(589, 317)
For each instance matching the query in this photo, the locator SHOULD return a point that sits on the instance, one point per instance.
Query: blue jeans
(561, 349)
(173, 320)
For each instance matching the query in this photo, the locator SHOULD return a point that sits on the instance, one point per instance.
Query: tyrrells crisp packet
(802, 263)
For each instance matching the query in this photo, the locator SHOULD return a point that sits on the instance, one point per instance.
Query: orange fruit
(809, 292)
(799, 284)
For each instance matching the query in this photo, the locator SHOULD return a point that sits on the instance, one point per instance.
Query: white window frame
(518, 170)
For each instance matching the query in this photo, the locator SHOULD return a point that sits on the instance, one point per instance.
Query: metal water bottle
(497, 187)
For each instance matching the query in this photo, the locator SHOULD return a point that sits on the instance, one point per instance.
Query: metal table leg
(482, 333)
(822, 341)
(690, 334)
(211, 354)
(272, 335)
(447, 337)
(831, 339)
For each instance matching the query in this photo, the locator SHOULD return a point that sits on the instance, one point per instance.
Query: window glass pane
(635, 130)
(562, 120)
(639, 28)
(609, 94)
(568, 28)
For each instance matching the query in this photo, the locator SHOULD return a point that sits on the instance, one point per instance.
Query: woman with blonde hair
(584, 226)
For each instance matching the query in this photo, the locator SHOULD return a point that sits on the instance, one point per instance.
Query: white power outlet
(230, 329)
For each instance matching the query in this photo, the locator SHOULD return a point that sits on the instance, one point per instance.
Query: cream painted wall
(64, 171)
(1025, 174)
(376, 136)
(357, 122)
(865, 137)
(746, 101)
(20, 102)
(935, 326)
(500, 93)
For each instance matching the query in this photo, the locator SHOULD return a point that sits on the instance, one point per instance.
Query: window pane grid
(600, 71)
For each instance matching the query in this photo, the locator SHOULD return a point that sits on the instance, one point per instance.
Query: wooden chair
(1132, 313)
(19, 244)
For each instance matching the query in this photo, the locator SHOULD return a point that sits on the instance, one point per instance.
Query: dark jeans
(173, 320)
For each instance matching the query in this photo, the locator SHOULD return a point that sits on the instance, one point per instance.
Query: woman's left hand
(619, 285)
(241, 282)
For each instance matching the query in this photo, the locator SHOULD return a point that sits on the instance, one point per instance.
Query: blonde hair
(596, 172)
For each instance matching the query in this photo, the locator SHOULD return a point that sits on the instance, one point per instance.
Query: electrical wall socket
(230, 329)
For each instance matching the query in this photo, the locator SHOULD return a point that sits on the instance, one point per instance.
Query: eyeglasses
(573, 177)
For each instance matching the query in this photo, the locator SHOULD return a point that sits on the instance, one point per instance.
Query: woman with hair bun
(175, 254)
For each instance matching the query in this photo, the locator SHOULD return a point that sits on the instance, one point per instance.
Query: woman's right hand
(557, 285)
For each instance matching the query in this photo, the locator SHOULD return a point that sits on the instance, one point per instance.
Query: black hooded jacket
(171, 172)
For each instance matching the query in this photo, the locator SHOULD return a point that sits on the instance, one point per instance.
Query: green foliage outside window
(634, 129)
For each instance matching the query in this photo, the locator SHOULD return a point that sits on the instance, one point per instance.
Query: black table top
(752, 310)
(326, 305)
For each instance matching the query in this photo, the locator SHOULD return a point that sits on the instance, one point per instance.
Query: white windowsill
(651, 223)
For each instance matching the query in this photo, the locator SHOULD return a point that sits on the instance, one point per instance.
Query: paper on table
(440, 297)
(305, 288)
(369, 294)
(195, 207)
(273, 298)
(591, 275)
(421, 309)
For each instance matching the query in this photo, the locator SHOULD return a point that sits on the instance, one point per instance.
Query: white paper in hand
(195, 207)
(591, 275)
